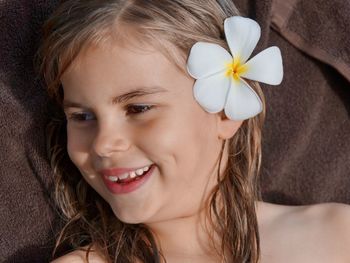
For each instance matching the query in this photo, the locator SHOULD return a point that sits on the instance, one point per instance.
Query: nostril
(103, 154)
(107, 146)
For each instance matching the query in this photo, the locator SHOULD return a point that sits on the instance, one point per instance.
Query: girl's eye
(131, 109)
(81, 117)
(138, 109)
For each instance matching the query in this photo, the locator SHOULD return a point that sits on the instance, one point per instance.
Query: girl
(156, 143)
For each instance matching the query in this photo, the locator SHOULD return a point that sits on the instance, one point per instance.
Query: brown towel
(319, 28)
(28, 221)
(306, 140)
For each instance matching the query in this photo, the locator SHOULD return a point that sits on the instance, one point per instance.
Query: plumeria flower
(220, 77)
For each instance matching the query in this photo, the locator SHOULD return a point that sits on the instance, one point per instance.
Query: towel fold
(319, 28)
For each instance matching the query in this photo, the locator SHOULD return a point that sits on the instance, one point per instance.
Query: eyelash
(147, 107)
(79, 117)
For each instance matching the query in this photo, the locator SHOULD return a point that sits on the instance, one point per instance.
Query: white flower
(220, 77)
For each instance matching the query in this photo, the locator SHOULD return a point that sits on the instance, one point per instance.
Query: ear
(226, 127)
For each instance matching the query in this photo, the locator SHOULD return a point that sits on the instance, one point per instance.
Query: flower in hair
(220, 77)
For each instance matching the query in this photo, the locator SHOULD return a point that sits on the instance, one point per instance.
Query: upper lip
(119, 171)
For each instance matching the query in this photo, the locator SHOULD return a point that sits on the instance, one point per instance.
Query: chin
(131, 218)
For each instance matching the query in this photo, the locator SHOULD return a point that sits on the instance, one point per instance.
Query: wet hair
(89, 220)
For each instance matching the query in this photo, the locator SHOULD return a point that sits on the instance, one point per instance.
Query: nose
(109, 140)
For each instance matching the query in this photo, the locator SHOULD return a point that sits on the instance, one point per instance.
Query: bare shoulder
(72, 257)
(309, 233)
(332, 218)
(332, 212)
(336, 218)
(79, 256)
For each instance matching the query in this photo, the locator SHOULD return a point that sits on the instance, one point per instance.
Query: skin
(310, 233)
(182, 140)
(177, 135)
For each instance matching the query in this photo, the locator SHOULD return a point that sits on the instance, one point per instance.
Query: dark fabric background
(28, 219)
(306, 144)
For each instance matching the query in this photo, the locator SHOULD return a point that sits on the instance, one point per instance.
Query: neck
(190, 235)
(187, 237)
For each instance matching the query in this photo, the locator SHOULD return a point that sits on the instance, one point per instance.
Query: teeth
(139, 171)
(132, 174)
(113, 178)
(123, 176)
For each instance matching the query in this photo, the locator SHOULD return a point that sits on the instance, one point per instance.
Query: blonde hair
(76, 25)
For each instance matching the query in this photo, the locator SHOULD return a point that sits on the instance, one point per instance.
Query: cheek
(160, 136)
(186, 129)
(78, 144)
(178, 139)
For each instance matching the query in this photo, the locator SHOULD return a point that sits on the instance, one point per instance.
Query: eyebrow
(138, 92)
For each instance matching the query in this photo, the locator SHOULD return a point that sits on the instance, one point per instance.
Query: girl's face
(166, 127)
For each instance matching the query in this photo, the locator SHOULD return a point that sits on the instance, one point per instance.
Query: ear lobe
(226, 127)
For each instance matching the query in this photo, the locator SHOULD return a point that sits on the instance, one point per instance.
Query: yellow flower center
(234, 69)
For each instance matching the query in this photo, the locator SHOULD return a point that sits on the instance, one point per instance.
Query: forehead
(121, 67)
(133, 48)
(121, 63)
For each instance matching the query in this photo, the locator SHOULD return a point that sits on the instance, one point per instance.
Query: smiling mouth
(127, 185)
(130, 178)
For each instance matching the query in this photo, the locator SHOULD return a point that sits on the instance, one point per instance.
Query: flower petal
(242, 101)
(265, 67)
(242, 35)
(206, 59)
(211, 92)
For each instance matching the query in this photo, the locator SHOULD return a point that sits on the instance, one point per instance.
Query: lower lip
(117, 188)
